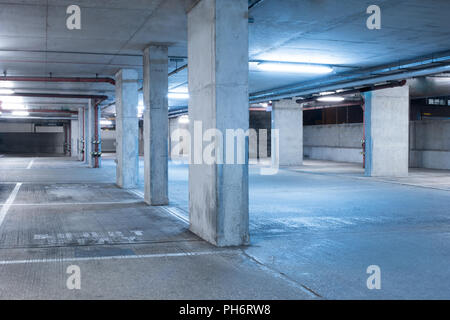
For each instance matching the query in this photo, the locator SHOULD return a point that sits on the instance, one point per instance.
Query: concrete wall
(10, 127)
(108, 141)
(333, 142)
(28, 143)
(429, 143)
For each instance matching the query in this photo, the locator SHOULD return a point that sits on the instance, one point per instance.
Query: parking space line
(9, 202)
(122, 257)
(73, 203)
(173, 211)
(30, 164)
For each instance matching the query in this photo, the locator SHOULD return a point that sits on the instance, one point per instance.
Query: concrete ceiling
(34, 40)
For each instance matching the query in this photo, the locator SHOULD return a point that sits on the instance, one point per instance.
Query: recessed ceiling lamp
(14, 106)
(20, 113)
(294, 68)
(6, 91)
(106, 122)
(326, 93)
(178, 95)
(331, 99)
(183, 119)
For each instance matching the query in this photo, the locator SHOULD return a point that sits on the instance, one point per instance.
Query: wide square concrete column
(127, 129)
(287, 118)
(94, 145)
(218, 88)
(387, 132)
(156, 125)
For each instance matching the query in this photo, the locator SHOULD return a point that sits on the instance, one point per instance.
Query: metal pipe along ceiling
(336, 84)
(59, 79)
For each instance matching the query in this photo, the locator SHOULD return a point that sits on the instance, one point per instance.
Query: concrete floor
(314, 231)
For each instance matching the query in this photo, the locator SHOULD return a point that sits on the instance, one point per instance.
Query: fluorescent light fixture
(6, 91)
(12, 106)
(331, 99)
(20, 113)
(106, 122)
(178, 95)
(294, 68)
(326, 93)
(183, 119)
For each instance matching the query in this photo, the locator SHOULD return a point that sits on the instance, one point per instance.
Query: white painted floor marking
(130, 257)
(8, 203)
(30, 164)
(173, 211)
(74, 203)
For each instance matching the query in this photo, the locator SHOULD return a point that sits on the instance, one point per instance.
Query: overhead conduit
(59, 79)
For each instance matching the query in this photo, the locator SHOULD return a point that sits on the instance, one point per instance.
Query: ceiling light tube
(20, 113)
(178, 95)
(6, 91)
(331, 99)
(294, 68)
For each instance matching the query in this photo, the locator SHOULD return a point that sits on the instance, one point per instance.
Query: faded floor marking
(9, 202)
(122, 257)
(30, 164)
(173, 211)
(83, 238)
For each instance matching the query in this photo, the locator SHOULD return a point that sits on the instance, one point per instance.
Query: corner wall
(429, 142)
(333, 142)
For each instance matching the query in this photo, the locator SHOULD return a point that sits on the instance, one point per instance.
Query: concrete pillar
(287, 117)
(80, 143)
(127, 129)
(387, 132)
(94, 145)
(74, 138)
(218, 87)
(87, 137)
(156, 125)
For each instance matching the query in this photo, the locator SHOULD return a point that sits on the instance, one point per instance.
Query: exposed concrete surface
(386, 132)
(322, 224)
(218, 88)
(127, 128)
(340, 142)
(74, 137)
(156, 125)
(287, 117)
(429, 143)
(32, 143)
(124, 248)
(317, 226)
